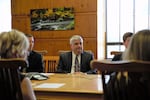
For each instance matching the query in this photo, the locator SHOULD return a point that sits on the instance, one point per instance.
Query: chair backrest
(42, 52)
(115, 52)
(10, 79)
(63, 51)
(50, 63)
(104, 67)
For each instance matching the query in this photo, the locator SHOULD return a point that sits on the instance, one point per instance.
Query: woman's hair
(13, 44)
(139, 47)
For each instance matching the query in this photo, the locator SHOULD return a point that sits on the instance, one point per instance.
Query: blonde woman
(132, 85)
(14, 44)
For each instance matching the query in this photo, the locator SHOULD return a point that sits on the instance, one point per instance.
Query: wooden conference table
(69, 87)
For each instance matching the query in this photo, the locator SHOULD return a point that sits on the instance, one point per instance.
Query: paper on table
(47, 74)
(50, 85)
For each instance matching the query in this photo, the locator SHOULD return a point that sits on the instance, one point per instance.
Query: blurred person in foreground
(14, 44)
(136, 84)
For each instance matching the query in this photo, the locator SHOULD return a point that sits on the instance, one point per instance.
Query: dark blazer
(65, 62)
(35, 61)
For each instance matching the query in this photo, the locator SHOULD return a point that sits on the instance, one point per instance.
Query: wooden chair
(10, 82)
(50, 63)
(42, 52)
(63, 51)
(115, 52)
(104, 67)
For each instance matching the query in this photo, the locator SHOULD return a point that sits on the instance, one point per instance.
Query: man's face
(31, 41)
(126, 42)
(77, 46)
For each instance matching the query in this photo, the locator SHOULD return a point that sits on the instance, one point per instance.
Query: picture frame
(52, 19)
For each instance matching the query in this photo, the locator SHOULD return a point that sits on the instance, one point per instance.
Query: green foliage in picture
(52, 19)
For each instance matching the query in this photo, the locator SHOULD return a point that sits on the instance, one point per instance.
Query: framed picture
(52, 19)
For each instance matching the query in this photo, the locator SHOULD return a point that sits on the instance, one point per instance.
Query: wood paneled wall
(53, 41)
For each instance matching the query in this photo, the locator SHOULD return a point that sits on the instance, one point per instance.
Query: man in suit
(35, 59)
(67, 60)
(126, 39)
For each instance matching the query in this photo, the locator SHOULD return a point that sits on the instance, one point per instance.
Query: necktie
(77, 66)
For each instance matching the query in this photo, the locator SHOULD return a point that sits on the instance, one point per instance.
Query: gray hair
(75, 37)
(13, 42)
(139, 47)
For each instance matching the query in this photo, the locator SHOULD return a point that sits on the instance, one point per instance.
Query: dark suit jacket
(35, 61)
(65, 62)
(117, 57)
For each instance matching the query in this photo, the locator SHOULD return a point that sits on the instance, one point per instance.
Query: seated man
(126, 39)
(35, 59)
(75, 60)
